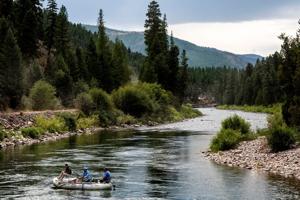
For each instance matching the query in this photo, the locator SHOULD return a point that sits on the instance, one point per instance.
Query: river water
(164, 162)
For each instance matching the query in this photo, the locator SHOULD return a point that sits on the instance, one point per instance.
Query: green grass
(272, 109)
(52, 125)
(87, 122)
(32, 132)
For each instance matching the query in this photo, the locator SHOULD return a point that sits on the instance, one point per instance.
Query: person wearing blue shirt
(106, 176)
(86, 176)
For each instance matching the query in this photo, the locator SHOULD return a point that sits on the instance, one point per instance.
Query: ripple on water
(162, 164)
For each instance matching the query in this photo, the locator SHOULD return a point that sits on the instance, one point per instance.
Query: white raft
(67, 183)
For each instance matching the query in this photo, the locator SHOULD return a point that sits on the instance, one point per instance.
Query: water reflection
(166, 165)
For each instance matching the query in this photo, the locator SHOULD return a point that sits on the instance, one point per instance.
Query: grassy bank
(61, 123)
(272, 109)
(279, 135)
(139, 104)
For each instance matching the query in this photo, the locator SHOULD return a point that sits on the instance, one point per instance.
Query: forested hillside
(47, 62)
(275, 79)
(198, 56)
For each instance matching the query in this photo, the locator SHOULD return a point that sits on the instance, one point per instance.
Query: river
(163, 162)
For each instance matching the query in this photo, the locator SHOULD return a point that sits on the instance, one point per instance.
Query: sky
(238, 26)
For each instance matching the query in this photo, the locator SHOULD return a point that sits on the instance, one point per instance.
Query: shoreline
(16, 120)
(51, 137)
(256, 155)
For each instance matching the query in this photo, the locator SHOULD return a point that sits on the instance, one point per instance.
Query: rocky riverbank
(256, 155)
(47, 137)
(13, 122)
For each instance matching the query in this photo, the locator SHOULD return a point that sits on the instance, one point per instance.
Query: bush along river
(162, 162)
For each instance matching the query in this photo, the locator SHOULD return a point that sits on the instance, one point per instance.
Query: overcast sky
(239, 26)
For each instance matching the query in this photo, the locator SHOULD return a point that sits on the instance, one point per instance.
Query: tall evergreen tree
(120, 73)
(28, 23)
(10, 69)
(155, 67)
(173, 63)
(62, 37)
(92, 61)
(183, 81)
(104, 56)
(62, 80)
(81, 63)
(51, 24)
(6, 8)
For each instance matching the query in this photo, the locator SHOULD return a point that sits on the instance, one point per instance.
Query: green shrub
(160, 97)
(275, 120)
(126, 119)
(84, 102)
(107, 118)
(42, 96)
(281, 138)
(262, 132)
(80, 87)
(70, 121)
(133, 101)
(102, 101)
(226, 139)
(87, 122)
(2, 134)
(189, 112)
(236, 123)
(32, 132)
(172, 115)
(54, 124)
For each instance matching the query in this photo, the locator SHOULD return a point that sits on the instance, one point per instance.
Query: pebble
(256, 155)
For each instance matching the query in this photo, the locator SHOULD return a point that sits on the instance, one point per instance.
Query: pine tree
(51, 24)
(71, 61)
(92, 61)
(183, 81)
(29, 36)
(120, 73)
(229, 94)
(81, 63)
(6, 8)
(62, 37)
(28, 23)
(104, 56)
(155, 68)
(10, 69)
(173, 64)
(62, 80)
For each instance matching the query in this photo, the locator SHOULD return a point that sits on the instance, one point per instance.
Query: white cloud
(260, 37)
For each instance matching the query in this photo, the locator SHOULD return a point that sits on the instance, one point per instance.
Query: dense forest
(41, 44)
(274, 79)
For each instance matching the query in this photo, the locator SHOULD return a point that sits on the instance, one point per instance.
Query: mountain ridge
(198, 56)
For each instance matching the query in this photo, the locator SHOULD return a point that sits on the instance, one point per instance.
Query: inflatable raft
(68, 183)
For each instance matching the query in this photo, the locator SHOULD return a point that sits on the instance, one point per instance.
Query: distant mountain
(198, 56)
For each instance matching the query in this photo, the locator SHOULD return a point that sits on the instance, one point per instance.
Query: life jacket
(106, 176)
(87, 176)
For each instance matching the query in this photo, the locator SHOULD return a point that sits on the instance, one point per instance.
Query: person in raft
(86, 176)
(106, 176)
(66, 172)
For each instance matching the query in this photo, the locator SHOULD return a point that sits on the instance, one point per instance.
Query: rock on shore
(16, 120)
(256, 155)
